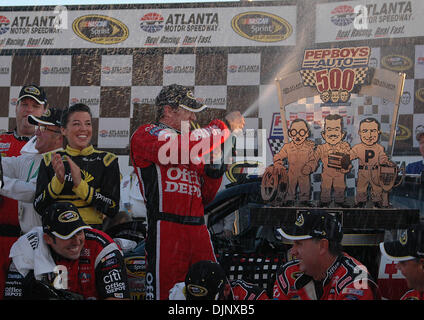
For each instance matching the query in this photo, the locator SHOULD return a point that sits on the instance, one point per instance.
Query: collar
(55, 150)
(20, 138)
(165, 126)
(305, 279)
(29, 147)
(330, 271)
(75, 152)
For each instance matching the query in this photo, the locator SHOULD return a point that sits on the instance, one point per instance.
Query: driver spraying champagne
(176, 182)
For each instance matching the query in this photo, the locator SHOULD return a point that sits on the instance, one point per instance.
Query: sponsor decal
(85, 277)
(389, 12)
(420, 60)
(232, 68)
(4, 70)
(193, 22)
(68, 216)
(87, 101)
(144, 100)
(151, 22)
(136, 266)
(33, 25)
(100, 29)
(261, 26)
(213, 101)
(243, 68)
(197, 291)
(4, 24)
(342, 15)
(335, 72)
(419, 94)
(112, 276)
(114, 133)
(300, 220)
(4, 146)
(182, 181)
(178, 69)
(239, 170)
(116, 70)
(404, 238)
(55, 70)
(396, 62)
(402, 132)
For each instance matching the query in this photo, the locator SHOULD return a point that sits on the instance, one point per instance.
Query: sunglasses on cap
(44, 128)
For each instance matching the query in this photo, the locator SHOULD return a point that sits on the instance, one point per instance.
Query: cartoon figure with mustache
(298, 152)
(334, 155)
(370, 154)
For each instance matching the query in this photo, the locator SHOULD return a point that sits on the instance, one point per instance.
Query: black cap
(51, 117)
(35, 92)
(314, 224)
(205, 280)
(176, 95)
(408, 247)
(63, 220)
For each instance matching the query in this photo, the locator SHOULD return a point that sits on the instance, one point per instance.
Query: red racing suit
(243, 290)
(175, 196)
(346, 279)
(10, 146)
(413, 295)
(98, 273)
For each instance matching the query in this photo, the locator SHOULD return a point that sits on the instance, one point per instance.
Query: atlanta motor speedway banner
(116, 59)
(369, 20)
(149, 28)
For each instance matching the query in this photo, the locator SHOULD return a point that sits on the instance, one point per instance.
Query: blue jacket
(415, 167)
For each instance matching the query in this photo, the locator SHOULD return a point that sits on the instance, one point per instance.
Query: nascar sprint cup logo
(100, 29)
(261, 26)
(335, 72)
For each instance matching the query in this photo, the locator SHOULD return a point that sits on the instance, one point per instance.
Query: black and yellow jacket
(98, 192)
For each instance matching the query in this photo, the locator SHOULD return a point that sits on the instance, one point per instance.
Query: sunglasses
(44, 128)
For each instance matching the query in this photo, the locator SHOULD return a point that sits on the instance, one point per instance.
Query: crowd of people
(58, 190)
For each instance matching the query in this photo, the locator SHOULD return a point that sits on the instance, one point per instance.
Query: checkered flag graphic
(361, 75)
(308, 77)
(275, 144)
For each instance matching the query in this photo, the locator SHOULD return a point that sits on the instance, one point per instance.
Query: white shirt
(20, 181)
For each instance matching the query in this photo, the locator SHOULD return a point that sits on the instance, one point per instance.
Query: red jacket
(98, 273)
(181, 187)
(243, 290)
(10, 146)
(413, 295)
(347, 279)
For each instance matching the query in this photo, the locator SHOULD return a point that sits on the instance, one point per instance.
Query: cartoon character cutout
(370, 155)
(298, 152)
(334, 155)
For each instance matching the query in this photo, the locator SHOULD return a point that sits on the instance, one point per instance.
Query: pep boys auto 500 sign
(335, 71)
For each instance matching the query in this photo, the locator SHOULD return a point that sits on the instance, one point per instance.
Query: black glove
(215, 170)
(40, 290)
